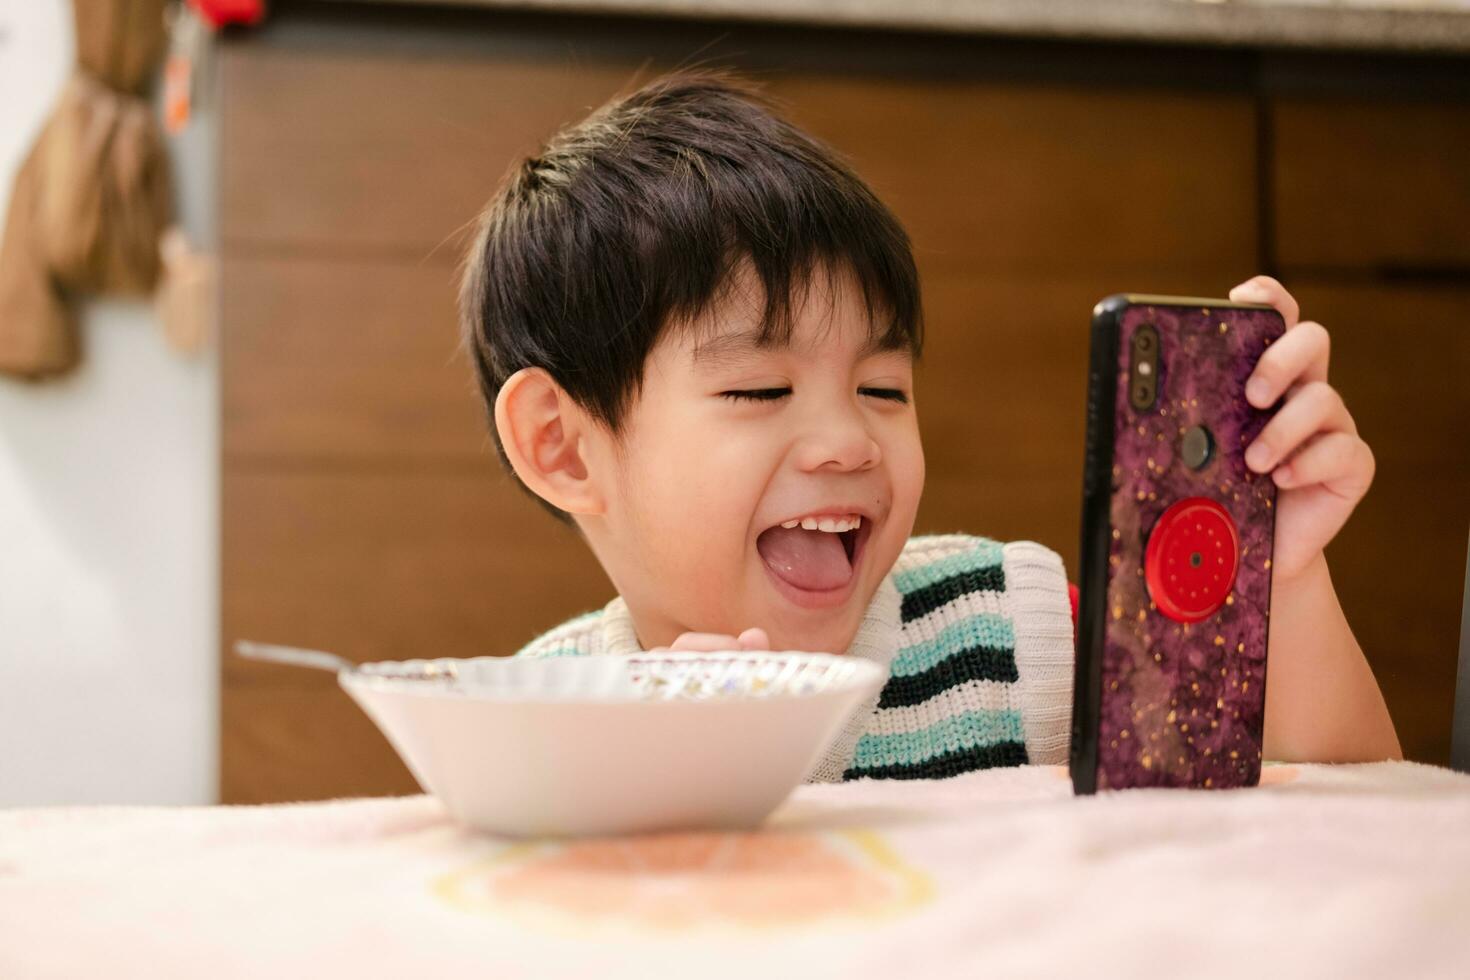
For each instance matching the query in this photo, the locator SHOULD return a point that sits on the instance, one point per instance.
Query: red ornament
(221, 13)
(1192, 556)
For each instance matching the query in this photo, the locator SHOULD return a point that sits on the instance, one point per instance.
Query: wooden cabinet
(362, 508)
(1372, 186)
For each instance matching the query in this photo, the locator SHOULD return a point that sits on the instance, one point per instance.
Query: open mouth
(814, 559)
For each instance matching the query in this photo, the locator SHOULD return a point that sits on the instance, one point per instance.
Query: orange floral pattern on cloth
(691, 881)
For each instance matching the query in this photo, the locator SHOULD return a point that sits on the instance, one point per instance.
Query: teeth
(832, 525)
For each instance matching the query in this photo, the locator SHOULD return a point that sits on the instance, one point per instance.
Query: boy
(695, 331)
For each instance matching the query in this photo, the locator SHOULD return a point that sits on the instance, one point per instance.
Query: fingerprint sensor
(1198, 447)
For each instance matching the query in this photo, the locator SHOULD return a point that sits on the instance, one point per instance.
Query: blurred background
(302, 458)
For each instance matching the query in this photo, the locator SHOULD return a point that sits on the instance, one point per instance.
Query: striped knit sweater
(977, 638)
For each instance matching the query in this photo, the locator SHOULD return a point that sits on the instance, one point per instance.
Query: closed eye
(757, 394)
(772, 394)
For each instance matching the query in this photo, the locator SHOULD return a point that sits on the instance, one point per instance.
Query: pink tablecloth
(1353, 871)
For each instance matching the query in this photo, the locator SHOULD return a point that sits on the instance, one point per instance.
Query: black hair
(642, 215)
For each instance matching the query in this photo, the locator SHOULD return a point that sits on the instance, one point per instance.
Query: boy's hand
(752, 639)
(1311, 447)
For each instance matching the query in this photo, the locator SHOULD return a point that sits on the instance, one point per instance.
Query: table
(1340, 871)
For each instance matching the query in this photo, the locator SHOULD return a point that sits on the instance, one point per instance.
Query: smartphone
(1177, 532)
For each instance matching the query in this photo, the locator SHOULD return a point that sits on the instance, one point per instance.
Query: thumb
(754, 639)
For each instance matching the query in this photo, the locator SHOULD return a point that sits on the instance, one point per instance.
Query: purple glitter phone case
(1176, 546)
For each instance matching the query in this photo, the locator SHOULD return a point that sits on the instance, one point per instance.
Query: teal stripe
(986, 554)
(562, 652)
(965, 730)
(570, 650)
(990, 630)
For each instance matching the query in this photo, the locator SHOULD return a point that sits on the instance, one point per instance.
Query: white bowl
(574, 746)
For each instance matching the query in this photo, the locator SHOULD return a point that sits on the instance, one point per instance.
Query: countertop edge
(1326, 27)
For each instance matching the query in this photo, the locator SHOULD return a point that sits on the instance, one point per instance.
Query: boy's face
(703, 478)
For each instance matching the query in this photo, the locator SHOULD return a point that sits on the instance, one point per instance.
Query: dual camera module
(1197, 446)
(1143, 384)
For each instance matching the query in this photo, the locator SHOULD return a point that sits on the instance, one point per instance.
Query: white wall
(108, 518)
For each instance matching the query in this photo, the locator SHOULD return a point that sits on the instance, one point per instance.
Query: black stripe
(1000, 755)
(931, 597)
(972, 664)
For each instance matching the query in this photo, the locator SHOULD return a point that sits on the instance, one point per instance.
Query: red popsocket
(1192, 556)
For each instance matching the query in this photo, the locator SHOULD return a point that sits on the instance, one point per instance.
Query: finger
(1264, 289)
(1339, 460)
(754, 639)
(705, 642)
(1298, 357)
(1313, 408)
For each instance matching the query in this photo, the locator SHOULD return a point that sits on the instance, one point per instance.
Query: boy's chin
(835, 635)
(819, 630)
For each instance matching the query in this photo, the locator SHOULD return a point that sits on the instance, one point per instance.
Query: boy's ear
(545, 434)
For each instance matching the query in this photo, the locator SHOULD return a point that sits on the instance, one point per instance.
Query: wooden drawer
(383, 152)
(1401, 358)
(395, 565)
(1372, 185)
(303, 740)
(338, 360)
(1034, 179)
(373, 565)
(1008, 507)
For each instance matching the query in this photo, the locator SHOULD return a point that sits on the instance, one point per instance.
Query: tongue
(813, 560)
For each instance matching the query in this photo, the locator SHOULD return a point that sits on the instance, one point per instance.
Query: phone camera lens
(1198, 447)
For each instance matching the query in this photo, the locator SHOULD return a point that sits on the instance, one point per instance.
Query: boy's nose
(839, 443)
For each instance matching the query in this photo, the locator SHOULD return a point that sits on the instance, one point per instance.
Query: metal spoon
(293, 656)
(442, 672)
